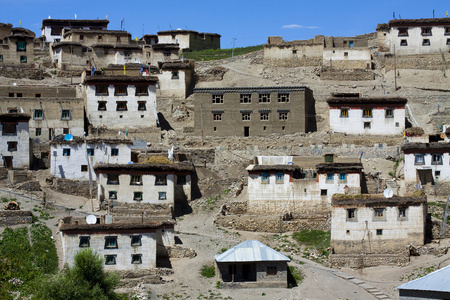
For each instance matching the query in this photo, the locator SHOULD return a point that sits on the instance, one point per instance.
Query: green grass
(314, 238)
(295, 277)
(207, 55)
(208, 271)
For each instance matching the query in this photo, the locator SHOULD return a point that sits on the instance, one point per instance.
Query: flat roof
(273, 168)
(366, 100)
(125, 168)
(374, 200)
(261, 89)
(419, 22)
(67, 228)
(409, 147)
(14, 117)
(339, 167)
(120, 79)
(74, 22)
(80, 140)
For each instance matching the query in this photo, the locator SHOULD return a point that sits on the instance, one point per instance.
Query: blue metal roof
(250, 251)
(438, 281)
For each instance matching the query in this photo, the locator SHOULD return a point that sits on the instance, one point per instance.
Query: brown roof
(87, 31)
(73, 22)
(177, 65)
(165, 46)
(366, 100)
(411, 147)
(116, 227)
(14, 117)
(273, 168)
(66, 43)
(419, 22)
(177, 31)
(80, 140)
(339, 167)
(118, 168)
(121, 79)
(382, 26)
(118, 46)
(373, 200)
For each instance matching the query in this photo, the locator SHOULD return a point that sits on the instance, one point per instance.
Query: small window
(38, 114)
(264, 116)
(402, 213)
(160, 180)
(10, 95)
(351, 214)
(437, 174)
(279, 178)
(216, 99)
(118, 39)
(113, 179)
(66, 130)
(141, 90)
(101, 90)
(136, 259)
(426, 31)
(367, 113)
(136, 180)
(142, 105)
(283, 98)
(330, 177)
(175, 75)
(66, 151)
(66, 115)
(436, 159)
(110, 259)
(9, 129)
(344, 113)
(426, 42)
(403, 32)
(162, 196)
(389, 113)
(447, 31)
(102, 105)
(419, 159)
(323, 192)
(345, 54)
(246, 116)
(120, 90)
(379, 213)
(114, 151)
(403, 43)
(1, 57)
(100, 38)
(329, 158)
(217, 116)
(367, 125)
(12, 146)
(23, 59)
(81, 37)
(84, 168)
(379, 231)
(38, 131)
(112, 195)
(13, 110)
(21, 46)
(137, 196)
(111, 242)
(90, 151)
(181, 179)
(265, 178)
(136, 240)
(121, 106)
(294, 51)
(343, 177)
(84, 241)
(448, 43)
(283, 116)
(246, 98)
(271, 270)
(264, 98)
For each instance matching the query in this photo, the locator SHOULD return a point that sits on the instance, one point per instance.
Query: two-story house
(15, 143)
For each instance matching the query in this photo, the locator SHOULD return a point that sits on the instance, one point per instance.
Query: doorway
(246, 131)
(7, 162)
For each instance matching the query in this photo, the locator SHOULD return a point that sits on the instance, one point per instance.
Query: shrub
(208, 271)
(312, 237)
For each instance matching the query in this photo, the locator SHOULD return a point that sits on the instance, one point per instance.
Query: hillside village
(310, 169)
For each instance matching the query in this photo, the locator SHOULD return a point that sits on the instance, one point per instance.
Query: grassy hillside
(206, 55)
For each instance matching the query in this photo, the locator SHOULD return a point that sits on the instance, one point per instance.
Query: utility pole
(232, 51)
(201, 123)
(395, 70)
(439, 118)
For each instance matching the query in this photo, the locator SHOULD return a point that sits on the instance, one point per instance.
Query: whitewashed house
(375, 224)
(368, 116)
(52, 29)
(176, 79)
(76, 159)
(426, 162)
(15, 143)
(121, 102)
(339, 178)
(414, 36)
(130, 246)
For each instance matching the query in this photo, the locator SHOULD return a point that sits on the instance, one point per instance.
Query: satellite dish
(388, 193)
(68, 137)
(91, 219)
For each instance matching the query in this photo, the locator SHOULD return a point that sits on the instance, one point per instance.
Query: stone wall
(15, 217)
(294, 62)
(273, 224)
(73, 187)
(423, 62)
(22, 72)
(138, 212)
(359, 261)
(347, 75)
(180, 252)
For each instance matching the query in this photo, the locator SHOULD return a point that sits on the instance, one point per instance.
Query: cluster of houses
(89, 130)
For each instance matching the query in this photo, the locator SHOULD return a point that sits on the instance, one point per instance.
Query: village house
(121, 102)
(190, 40)
(176, 79)
(16, 45)
(52, 29)
(277, 185)
(414, 36)
(160, 53)
(375, 224)
(368, 116)
(253, 111)
(75, 158)
(53, 110)
(252, 264)
(152, 187)
(426, 162)
(124, 246)
(15, 143)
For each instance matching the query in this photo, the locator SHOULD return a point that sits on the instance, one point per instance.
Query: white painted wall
(410, 167)
(438, 41)
(337, 186)
(169, 87)
(70, 166)
(21, 157)
(380, 125)
(181, 39)
(113, 119)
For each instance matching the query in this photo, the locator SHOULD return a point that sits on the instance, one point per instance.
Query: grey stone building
(16, 45)
(250, 111)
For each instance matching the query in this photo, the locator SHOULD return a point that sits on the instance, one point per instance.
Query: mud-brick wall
(139, 212)
(423, 62)
(355, 75)
(15, 217)
(74, 187)
(367, 260)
